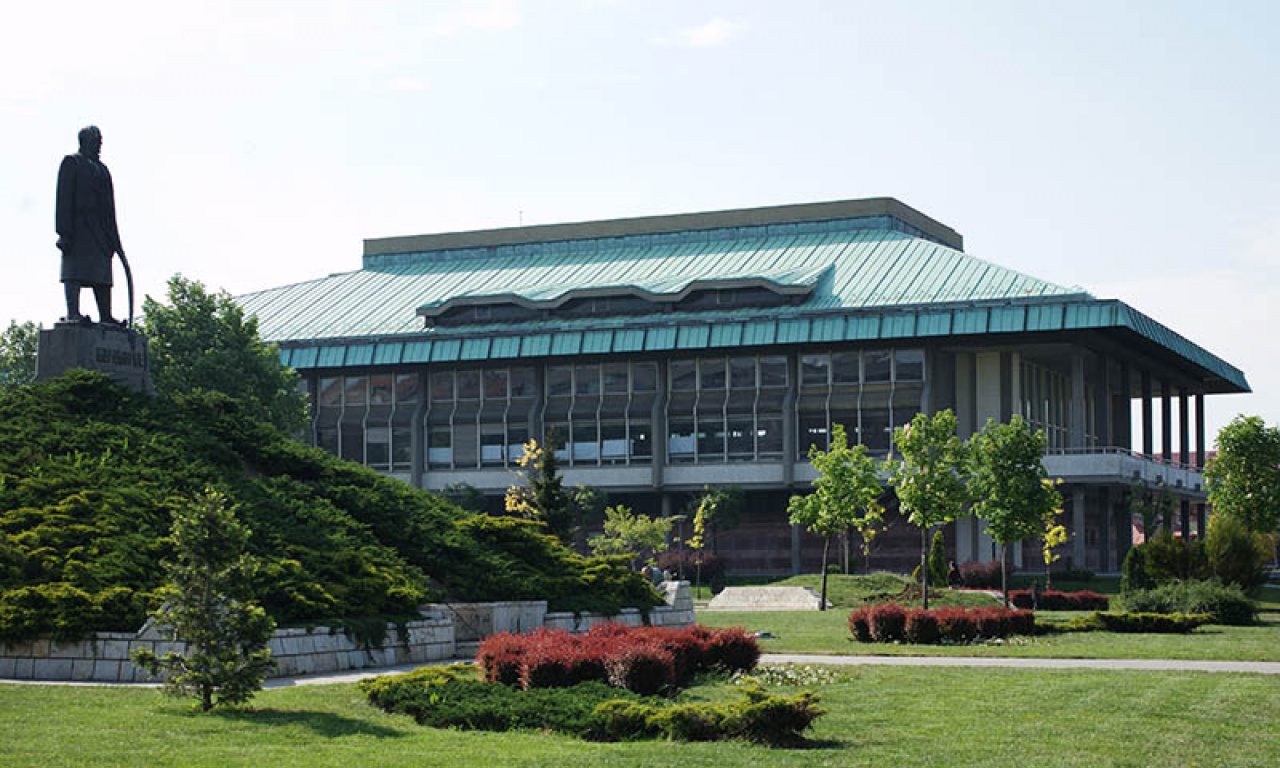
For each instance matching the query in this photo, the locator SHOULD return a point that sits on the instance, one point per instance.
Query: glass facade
(725, 408)
(367, 418)
(868, 391)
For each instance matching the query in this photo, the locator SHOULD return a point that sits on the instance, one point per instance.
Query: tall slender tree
(1011, 490)
(846, 494)
(930, 479)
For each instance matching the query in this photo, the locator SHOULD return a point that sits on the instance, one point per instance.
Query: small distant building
(674, 352)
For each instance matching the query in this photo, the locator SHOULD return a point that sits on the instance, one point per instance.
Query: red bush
(887, 622)
(1053, 600)
(1022, 623)
(733, 650)
(981, 575)
(860, 625)
(645, 669)
(545, 666)
(991, 622)
(500, 657)
(957, 624)
(921, 627)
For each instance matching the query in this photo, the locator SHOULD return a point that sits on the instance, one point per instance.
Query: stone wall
(446, 631)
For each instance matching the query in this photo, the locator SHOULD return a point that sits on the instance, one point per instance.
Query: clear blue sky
(1129, 148)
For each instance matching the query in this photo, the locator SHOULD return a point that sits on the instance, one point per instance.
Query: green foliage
(1148, 623)
(631, 535)
(1243, 479)
(758, 717)
(466, 497)
(1133, 574)
(931, 480)
(1151, 504)
(206, 606)
(938, 559)
(846, 494)
(1174, 559)
(18, 354)
(1235, 554)
(720, 508)
(202, 340)
(1227, 604)
(542, 497)
(91, 476)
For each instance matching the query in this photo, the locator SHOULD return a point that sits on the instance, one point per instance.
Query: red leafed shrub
(545, 666)
(610, 631)
(991, 622)
(1022, 623)
(981, 575)
(500, 657)
(957, 624)
(688, 649)
(1052, 600)
(887, 622)
(732, 649)
(921, 627)
(860, 624)
(645, 669)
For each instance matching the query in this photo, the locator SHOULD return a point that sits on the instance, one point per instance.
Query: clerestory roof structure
(861, 270)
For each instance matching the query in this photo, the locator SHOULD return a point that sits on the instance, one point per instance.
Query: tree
(846, 494)
(18, 355)
(938, 558)
(466, 496)
(587, 506)
(930, 479)
(1237, 555)
(226, 636)
(1054, 536)
(1151, 505)
(634, 535)
(542, 496)
(1011, 490)
(202, 340)
(721, 507)
(1243, 479)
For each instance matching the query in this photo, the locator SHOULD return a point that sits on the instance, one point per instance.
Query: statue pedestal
(120, 353)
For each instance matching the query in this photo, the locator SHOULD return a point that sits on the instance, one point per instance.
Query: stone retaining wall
(446, 631)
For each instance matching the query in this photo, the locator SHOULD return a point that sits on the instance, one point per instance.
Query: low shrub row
(454, 697)
(645, 660)
(1052, 600)
(892, 623)
(1155, 623)
(1226, 603)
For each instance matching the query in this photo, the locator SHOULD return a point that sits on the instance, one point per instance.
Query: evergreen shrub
(1227, 604)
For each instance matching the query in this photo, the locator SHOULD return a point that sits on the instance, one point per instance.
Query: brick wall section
(447, 631)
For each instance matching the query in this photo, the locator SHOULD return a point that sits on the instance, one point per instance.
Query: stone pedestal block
(120, 353)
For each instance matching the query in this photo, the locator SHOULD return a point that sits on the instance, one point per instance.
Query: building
(673, 352)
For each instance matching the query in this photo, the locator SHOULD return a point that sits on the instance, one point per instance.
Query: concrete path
(1150, 665)
(1154, 665)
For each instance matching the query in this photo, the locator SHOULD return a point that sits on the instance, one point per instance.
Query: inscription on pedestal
(121, 353)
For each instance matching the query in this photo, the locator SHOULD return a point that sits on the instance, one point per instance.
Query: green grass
(848, 591)
(828, 632)
(878, 716)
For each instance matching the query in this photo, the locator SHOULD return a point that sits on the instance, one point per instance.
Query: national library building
(670, 353)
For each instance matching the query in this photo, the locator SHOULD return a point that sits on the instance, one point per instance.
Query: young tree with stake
(1010, 487)
(930, 480)
(845, 495)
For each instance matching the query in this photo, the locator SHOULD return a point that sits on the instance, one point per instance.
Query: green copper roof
(862, 278)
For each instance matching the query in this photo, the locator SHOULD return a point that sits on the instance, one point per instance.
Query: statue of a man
(87, 233)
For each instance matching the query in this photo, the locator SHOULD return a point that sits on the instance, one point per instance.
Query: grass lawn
(878, 716)
(828, 632)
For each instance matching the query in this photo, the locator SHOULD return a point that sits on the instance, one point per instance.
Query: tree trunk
(206, 697)
(924, 567)
(822, 601)
(1004, 573)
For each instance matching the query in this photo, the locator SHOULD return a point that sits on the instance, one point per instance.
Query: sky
(1128, 148)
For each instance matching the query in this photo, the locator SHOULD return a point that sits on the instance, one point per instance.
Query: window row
(871, 366)
(361, 391)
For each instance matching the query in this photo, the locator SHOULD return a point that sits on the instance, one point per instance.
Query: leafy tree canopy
(202, 340)
(1007, 478)
(18, 354)
(931, 477)
(630, 534)
(1244, 478)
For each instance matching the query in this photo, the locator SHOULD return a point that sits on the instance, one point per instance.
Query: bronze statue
(87, 232)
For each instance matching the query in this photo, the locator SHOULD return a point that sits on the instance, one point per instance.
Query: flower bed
(644, 660)
(1052, 600)
(892, 623)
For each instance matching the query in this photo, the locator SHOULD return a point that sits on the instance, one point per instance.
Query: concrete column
(1075, 436)
(789, 439)
(1105, 524)
(1184, 428)
(1106, 421)
(1148, 434)
(1200, 450)
(1185, 518)
(1078, 557)
(795, 550)
(1166, 421)
(1124, 527)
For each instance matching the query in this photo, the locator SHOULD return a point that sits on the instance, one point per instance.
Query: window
(492, 445)
(844, 367)
(769, 438)
(680, 441)
(615, 379)
(711, 372)
(356, 391)
(353, 443)
(813, 431)
(407, 388)
(641, 444)
(442, 386)
(468, 385)
(613, 442)
(711, 438)
(644, 377)
(495, 384)
(741, 436)
(773, 371)
(559, 381)
(380, 389)
(378, 446)
(742, 372)
(684, 376)
(521, 382)
(876, 365)
(330, 393)
(401, 448)
(440, 446)
(909, 365)
(585, 445)
(815, 370)
(587, 380)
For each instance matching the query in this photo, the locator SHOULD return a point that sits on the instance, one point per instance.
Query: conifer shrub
(1227, 604)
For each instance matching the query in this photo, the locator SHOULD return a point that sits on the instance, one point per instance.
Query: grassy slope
(880, 716)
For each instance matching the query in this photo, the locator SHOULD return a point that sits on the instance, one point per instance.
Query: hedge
(1052, 600)
(892, 623)
(1156, 623)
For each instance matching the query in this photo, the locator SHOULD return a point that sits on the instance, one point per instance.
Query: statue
(87, 233)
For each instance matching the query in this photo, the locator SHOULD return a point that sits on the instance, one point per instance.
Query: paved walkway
(1150, 665)
(1167, 665)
